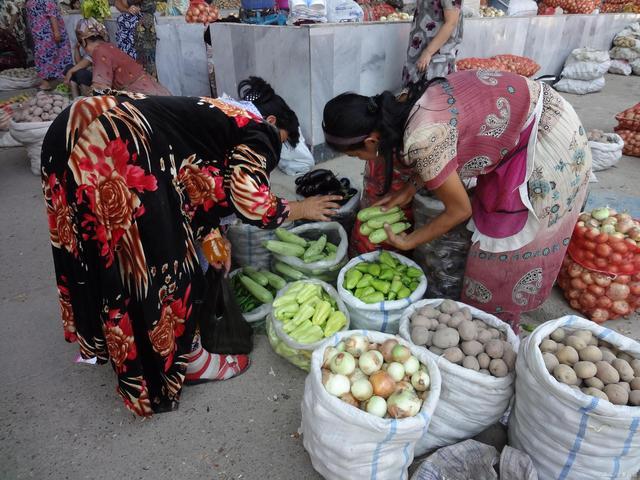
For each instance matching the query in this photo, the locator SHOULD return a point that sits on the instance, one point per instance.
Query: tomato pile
(629, 129)
(503, 63)
(200, 12)
(600, 275)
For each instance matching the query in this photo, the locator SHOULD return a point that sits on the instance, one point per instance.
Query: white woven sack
(620, 67)
(522, 8)
(324, 269)
(7, 141)
(456, 418)
(10, 83)
(257, 314)
(31, 135)
(623, 53)
(383, 316)
(246, 244)
(586, 64)
(635, 67)
(580, 87)
(606, 155)
(570, 435)
(346, 443)
(299, 353)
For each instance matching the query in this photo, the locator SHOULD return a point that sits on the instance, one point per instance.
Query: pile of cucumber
(384, 280)
(253, 288)
(292, 245)
(373, 220)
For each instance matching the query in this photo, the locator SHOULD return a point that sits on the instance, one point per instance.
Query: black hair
(93, 38)
(262, 95)
(350, 115)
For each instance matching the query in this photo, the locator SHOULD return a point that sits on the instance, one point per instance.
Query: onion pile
(629, 129)
(503, 63)
(385, 380)
(595, 367)
(200, 12)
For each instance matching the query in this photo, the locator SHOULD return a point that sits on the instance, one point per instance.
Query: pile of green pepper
(384, 280)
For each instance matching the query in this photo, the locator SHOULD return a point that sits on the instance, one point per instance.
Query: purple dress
(51, 58)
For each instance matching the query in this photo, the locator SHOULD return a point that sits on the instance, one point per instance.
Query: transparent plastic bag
(246, 244)
(444, 259)
(256, 316)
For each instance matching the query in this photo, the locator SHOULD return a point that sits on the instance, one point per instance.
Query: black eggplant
(345, 183)
(313, 176)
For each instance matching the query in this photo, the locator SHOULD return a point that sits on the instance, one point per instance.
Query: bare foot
(45, 85)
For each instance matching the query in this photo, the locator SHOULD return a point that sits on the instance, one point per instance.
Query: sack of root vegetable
(18, 78)
(43, 107)
(606, 149)
(476, 354)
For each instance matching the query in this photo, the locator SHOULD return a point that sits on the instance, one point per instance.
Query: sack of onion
(349, 439)
(200, 12)
(631, 142)
(606, 149)
(476, 354)
(303, 314)
(569, 433)
(378, 310)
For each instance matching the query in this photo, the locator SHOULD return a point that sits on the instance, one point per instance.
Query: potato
(634, 398)
(456, 320)
(454, 355)
(607, 373)
(479, 324)
(484, 336)
(47, 107)
(494, 348)
(594, 392)
(446, 338)
(590, 354)
(57, 110)
(484, 371)
(38, 111)
(585, 369)
(593, 341)
(594, 382)
(607, 355)
(576, 342)
(436, 350)
(550, 361)
(624, 369)
(625, 356)
(429, 312)
(509, 356)
(567, 355)
(420, 321)
(498, 368)
(565, 374)
(467, 313)
(635, 383)
(467, 330)
(449, 306)
(484, 360)
(441, 326)
(626, 386)
(548, 346)
(635, 364)
(586, 335)
(495, 333)
(471, 363)
(558, 335)
(617, 394)
(472, 348)
(444, 318)
(420, 335)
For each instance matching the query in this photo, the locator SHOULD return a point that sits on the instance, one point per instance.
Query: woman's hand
(423, 62)
(134, 10)
(398, 198)
(400, 241)
(320, 208)
(67, 77)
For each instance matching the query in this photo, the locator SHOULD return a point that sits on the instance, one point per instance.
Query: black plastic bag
(223, 328)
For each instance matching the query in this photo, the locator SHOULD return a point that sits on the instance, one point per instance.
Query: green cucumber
(284, 248)
(288, 271)
(288, 237)
(367, 214)
(390, 218)
(256, 276)
(380, 235)
(262, 294)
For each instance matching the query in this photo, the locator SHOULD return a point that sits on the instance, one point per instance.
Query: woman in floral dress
(52, 53)
(433, 42)
(529, 152)
(132, 185)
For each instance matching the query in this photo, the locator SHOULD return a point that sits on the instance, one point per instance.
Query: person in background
(136, 34)
(13, 35)
(80, 76)
(127, 23)
(52, 53)
(433, 42)
(112, 68)
(522, 141)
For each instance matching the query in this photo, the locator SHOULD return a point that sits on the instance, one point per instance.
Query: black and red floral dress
(131, 185)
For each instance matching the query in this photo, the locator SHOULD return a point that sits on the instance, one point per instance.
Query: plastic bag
(246, 245)
(299, 354)
(606, 154)
(444, 259)
(566, 433)
(382, 316)
(344, 11)
(455, 418)
(580, 87)
(177, 8)
(345, 443)
(586, 64)
(298, 160)
(326, 270)
(620, 67)
(475, 460)
(257, 315)
(31, 135)
(623, 53)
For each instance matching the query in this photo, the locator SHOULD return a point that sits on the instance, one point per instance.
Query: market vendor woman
(132, 185)
(528, 150)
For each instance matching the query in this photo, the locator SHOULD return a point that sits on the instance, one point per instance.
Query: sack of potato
(476, 354)
(18, 78)
(577, 394)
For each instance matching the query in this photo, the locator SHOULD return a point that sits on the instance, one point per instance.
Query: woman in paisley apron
(528, 150)
(132, 185)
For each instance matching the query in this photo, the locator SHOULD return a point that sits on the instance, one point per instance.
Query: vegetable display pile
(601, 137)
(397, 17)
(503, 63)
(308, 314)
(201, 12)
(384, 280)
(15, 99)
(452, 332)
(579, 359)
(324, 182)
(19, 73)
(385, 380)
(98, 9)
(253, 288)
(491, 12)
(373, 220)
(290, 244)
(571, 6)
(43, 107)
(629, 129)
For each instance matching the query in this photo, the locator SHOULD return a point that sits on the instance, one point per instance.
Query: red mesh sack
(516, 64)
(629, 119)
(631, 142)
(474, 63)
(200, 12)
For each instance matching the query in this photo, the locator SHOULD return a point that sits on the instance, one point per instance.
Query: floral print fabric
(427, 20)
(125, 35)
(129, 192)
(51, 58)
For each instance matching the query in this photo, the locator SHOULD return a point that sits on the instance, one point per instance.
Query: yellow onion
(377, 406)
(383, 384)
(362, 389)
(386, 348)
(403, 404)
(370, 362)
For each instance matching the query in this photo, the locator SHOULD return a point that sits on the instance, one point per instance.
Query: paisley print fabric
(129, 192)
